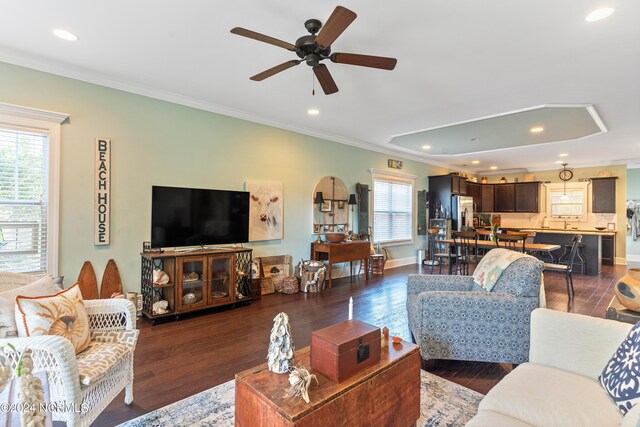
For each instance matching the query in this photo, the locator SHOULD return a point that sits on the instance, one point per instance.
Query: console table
(384, 394)
(343, 252)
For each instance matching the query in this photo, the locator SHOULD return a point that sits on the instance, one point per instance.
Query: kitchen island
(598, 247)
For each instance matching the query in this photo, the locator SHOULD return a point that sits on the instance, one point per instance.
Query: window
(29, 152)
(392, 208)
(568, 204)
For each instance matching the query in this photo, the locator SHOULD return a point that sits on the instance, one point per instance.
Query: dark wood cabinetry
(505, 197)
(526, 197)
(521, 197)
(608, 250)
(474, 190)
(197, 280)
(603, 195)
(487, 198)
(458, 185)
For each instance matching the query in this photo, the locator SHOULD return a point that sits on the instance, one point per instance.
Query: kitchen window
(569, 203)
(29, 181)
(392, 208)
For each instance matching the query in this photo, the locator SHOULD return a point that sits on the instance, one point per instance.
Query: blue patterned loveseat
(453, 318)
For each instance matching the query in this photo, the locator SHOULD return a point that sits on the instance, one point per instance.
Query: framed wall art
(265, 210)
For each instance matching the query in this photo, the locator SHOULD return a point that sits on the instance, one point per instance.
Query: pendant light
(564, 183)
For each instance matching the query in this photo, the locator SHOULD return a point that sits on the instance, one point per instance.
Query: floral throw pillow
(62, 314)
(621, 376)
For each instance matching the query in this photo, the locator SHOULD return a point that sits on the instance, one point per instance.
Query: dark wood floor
(176, 360)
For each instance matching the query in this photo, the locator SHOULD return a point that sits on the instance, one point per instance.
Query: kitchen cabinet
(504, 197)
(458, 185)
(526, 197)
(608, 249)
(441, 188)
(487, 197)
(474, 190)
(603, 195)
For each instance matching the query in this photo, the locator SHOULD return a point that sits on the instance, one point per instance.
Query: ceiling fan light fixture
(599, 14)
(64, 34)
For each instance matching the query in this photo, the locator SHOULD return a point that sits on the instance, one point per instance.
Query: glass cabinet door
(191, 283)
(222, 279)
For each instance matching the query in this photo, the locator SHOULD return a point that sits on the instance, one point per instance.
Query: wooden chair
(465, 246)
(566, 268)
(515, 242)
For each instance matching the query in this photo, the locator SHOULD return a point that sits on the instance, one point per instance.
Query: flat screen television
(198, 217)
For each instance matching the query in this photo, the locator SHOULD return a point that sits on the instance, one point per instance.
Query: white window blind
(24, 177)
(392, 210)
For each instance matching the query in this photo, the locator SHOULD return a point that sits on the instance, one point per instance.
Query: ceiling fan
(315, 48)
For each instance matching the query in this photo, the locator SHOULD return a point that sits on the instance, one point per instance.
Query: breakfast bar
(598, 247)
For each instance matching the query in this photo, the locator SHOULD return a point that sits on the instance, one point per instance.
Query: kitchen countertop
(571, 231)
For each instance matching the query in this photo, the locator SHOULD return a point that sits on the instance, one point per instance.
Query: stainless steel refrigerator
(462, 213)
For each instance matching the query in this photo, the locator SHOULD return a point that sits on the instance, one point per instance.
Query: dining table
(488, 244)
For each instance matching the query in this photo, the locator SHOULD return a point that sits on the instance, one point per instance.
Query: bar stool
(580, 261)
(438, 258)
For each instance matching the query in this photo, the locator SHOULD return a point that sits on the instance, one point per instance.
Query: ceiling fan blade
(324, 78)
(262, 38)
(364, 60)
(339, 20)
(274, 70)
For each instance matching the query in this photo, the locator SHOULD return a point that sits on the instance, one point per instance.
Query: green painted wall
(161, 143)
(621, 192)
(633, 193)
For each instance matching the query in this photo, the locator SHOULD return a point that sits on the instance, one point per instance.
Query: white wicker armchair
(80, 404)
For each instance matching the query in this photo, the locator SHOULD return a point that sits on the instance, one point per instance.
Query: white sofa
(559, 386)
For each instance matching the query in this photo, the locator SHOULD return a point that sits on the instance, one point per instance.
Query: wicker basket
(290, 285)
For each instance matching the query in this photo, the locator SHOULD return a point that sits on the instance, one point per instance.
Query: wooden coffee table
(385, 394)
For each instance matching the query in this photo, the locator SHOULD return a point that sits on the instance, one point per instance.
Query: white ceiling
(457, 61)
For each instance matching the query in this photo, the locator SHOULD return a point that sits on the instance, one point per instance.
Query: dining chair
(568, 267)
(465, 245)
(513, 241)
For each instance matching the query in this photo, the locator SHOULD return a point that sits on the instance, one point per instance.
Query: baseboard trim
(631, 258)
(399, 262)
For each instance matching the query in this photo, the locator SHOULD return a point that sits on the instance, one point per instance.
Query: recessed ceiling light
(475, 162)
(559, 162)
(313, 111)
(599, 14)
(493, 168)
(536, 129)
(65, 35)
(475, 139)
(563, 155)
(426, 147)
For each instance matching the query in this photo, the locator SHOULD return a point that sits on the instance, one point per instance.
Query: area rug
(442, 403)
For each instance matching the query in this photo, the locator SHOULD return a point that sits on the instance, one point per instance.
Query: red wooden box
(341, 350)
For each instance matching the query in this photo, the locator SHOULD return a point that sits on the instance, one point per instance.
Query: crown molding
(32, 113)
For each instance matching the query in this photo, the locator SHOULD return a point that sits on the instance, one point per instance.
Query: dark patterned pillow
(621, 376)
